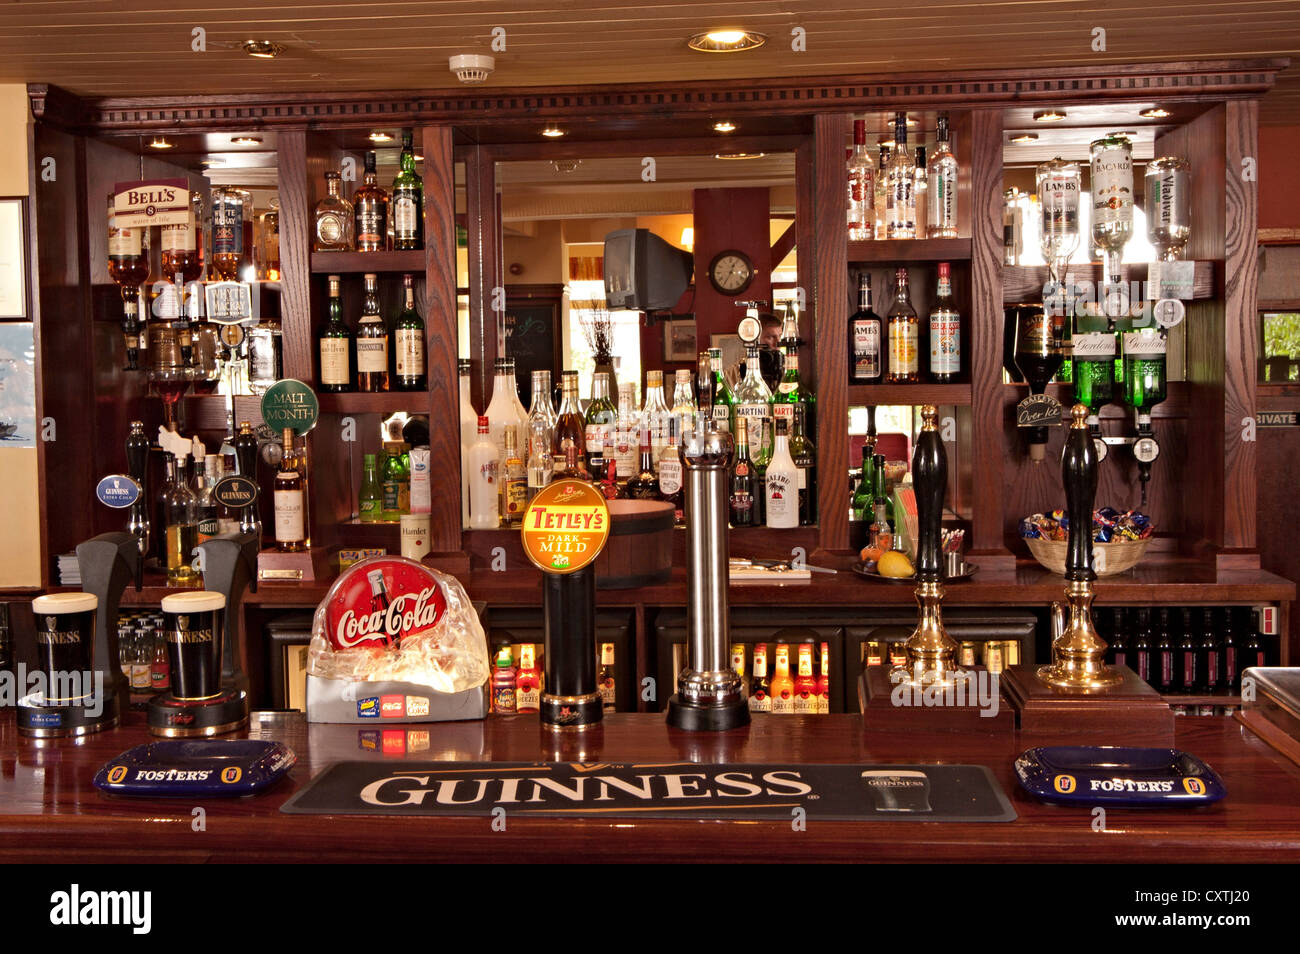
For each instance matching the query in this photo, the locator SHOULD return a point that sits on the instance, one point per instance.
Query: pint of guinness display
(65, 637)
(193, 624)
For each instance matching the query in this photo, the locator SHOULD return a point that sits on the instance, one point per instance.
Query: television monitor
(643, 272)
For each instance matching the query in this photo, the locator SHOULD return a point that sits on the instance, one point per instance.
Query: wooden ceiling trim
(1219, 79)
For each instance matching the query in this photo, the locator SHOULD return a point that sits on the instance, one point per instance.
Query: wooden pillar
(295, 254)
(484, 228)
(441, 333)
(831, 294)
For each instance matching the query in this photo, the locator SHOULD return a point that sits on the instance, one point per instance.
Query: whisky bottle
(372, 341)
(292, 534)
(181, 259)
(370, 503)
(605, 678)
(335, 346)
(782, 684)
(180, 518)
(408, 200)
(232, 233)
(945, 331)
(904, 360)
(205, 478)
(865, 366)
(513, 481)
(370, 211)
(941, 190)
(409, 335)
(760, 690)
(570, 428)
(334, 219)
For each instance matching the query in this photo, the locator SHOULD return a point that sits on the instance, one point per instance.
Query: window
(1280, 355)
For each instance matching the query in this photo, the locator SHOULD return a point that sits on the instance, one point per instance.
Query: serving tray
(196, 767)
(1113, 775)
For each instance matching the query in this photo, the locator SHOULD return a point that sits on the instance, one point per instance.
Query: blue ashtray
(199, 767)
(1112, 775)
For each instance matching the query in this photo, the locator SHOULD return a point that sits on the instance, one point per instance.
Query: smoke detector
(472, 68)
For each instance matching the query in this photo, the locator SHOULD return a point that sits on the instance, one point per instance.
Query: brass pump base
(1078, 652)
(931, 652)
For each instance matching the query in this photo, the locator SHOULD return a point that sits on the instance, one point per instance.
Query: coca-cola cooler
(393, 642)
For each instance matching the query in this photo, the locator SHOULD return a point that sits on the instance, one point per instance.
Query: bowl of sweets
(1118, 539)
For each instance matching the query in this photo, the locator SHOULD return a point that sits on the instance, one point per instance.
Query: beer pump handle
(229, 566)
(1079, 474)
(107, 563)
(930, 480)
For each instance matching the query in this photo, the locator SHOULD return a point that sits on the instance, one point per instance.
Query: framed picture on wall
(13, 260)
(679, 339)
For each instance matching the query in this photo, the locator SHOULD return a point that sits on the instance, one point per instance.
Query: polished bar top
(49, 811)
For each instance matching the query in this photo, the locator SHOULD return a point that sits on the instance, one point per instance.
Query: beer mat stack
(929, 793)
(69, 569)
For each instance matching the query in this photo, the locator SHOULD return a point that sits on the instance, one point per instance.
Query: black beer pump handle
(137, 454)
(1079, 474)
(929, 481)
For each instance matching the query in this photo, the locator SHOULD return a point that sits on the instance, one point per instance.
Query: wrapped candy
(1108, 526)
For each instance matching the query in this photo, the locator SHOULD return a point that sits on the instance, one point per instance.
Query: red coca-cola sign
(382, 601)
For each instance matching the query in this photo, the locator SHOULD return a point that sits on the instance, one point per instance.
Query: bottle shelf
(355, 533)
(1023, 284)
(910, 250)
(1224, 698)
(333, 263)
(909, 394)
(386, 402)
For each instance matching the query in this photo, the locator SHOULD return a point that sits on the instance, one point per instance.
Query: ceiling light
(212, 162)
(739, 155)
(246, 140)
(565, 166)
(1049, 116)
(1155, 112)
(1024, 137)
(263, 49)
(552, 132)
(726, 41)
(724, 126)
(380, 136)
(158, 142)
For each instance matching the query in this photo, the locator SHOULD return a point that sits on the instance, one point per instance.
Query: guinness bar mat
(936, 793)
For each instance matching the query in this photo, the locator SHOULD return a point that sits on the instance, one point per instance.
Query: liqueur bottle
(408, 335)
(945, 331)
(292, 532)
(904, 361)
(782, 684)
(605, 683)
(513, 481)
(781, 483)
(334, 219)
(372, 341)
(865, 365)
(1038, 358)
(740, 504)
(570, 427)
(528, 681)
(370, 211)
(805, 684)
(644, 485)
(370, 503)
(760, 690)
(335, 346)
(941, 192)
(408, 200)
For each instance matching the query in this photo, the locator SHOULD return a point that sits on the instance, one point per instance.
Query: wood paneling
(440, 325)
(830, 133)
(726, 219)
(988, 456)
(484, 268)
(295, 256)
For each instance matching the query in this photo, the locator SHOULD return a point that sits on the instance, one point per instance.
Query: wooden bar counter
(49, 811)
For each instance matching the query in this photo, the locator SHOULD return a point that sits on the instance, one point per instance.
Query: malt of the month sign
(152, 202)
(290, 403)
(565, 526)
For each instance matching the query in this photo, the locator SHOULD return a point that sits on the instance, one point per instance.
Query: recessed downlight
(726, 41)
(1024, 137)
(1049, 116)
(159, 142)
(380, 136)
(1155, 112)
(246, 140)
(553, 132)
(724, 126)
(263, 49)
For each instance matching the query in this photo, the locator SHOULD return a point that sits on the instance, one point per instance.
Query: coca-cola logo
(380, 602)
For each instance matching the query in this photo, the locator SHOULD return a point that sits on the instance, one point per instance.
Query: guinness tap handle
(1079, 474)
(245, 444)
(929, 480)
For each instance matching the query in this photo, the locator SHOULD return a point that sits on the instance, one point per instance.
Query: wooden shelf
(910, 250)
(1023, 284)
(354, 533)
(1203, 699)
(909, 394)
(387, 402)
(358, 263)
